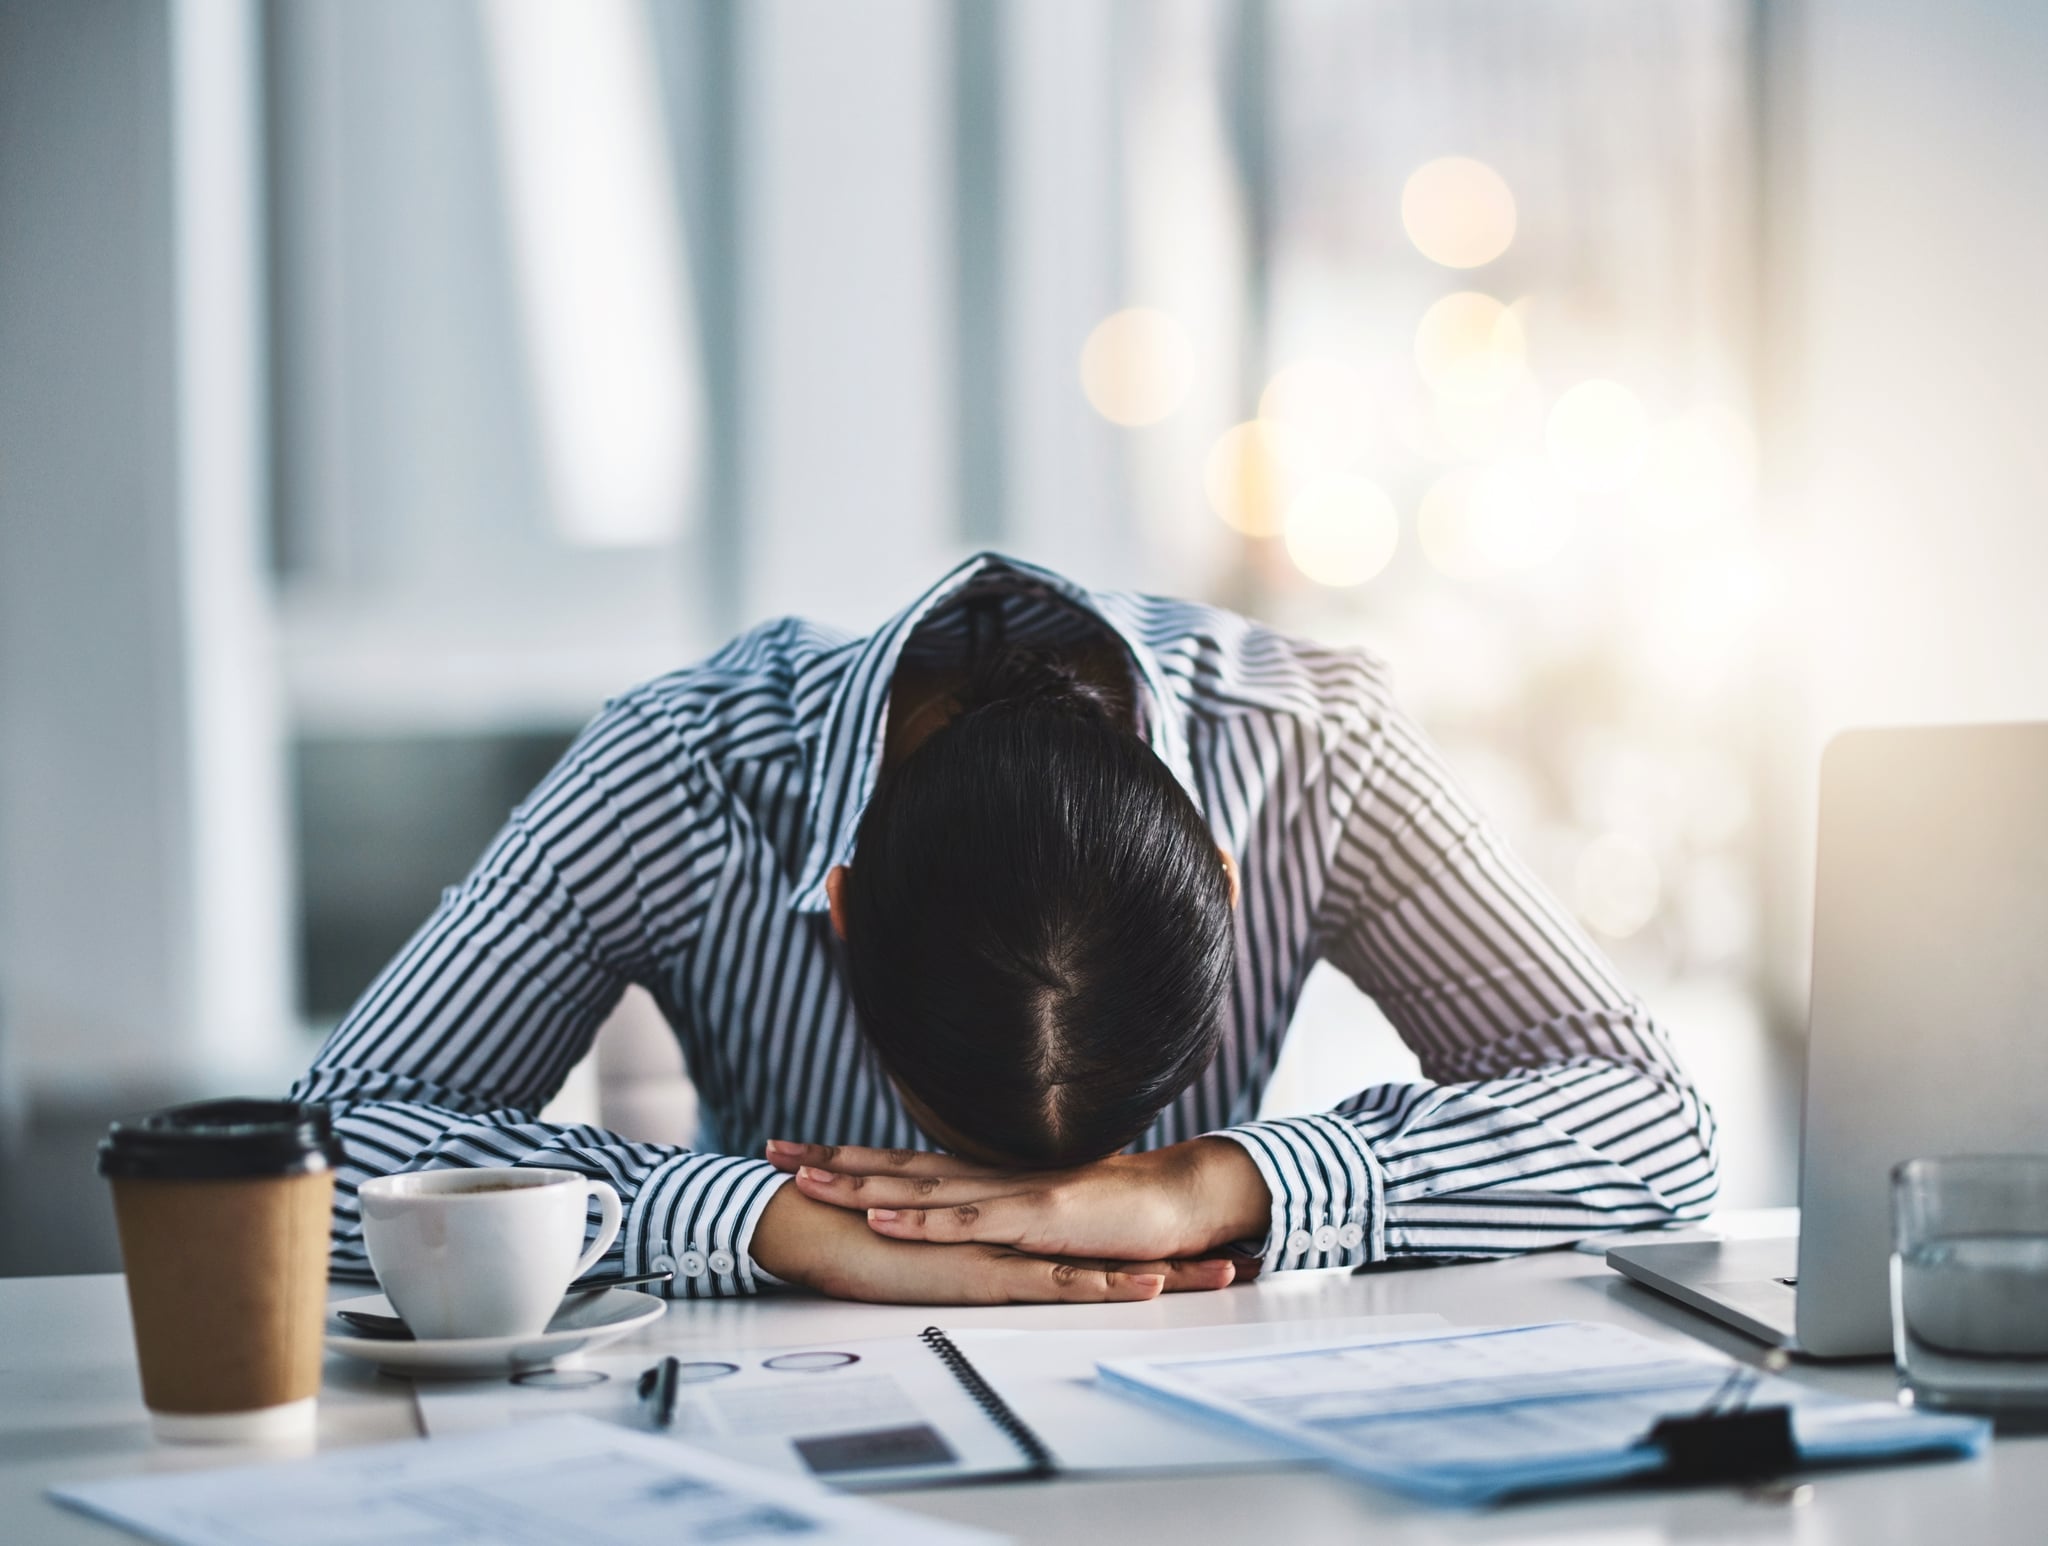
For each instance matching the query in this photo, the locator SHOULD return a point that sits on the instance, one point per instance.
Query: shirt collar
(847, 754)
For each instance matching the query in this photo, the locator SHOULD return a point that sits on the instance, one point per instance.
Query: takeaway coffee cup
(482, 1253)
(224, 1211)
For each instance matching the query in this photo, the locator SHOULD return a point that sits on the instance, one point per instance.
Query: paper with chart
(843, 1412)
(564, 1482)
(1050, 1379)
(1473, 1415)
(875, 1413)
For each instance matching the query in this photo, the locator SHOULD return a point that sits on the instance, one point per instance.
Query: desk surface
(70, 1408)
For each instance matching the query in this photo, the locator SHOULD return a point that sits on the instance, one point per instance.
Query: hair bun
(1036, 679)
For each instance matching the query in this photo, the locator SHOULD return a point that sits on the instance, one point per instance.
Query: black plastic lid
(216, 1139)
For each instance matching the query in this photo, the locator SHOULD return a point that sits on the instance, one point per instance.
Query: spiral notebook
(943, 1406)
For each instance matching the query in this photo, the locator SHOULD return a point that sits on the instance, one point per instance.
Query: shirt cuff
(1328, 1191)
(695, 1216)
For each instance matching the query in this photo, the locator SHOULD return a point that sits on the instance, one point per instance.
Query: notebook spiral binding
(985, 1396)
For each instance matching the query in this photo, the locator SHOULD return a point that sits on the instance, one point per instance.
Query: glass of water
(1970, 1283)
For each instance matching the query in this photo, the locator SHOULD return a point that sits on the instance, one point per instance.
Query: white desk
(70, 1407)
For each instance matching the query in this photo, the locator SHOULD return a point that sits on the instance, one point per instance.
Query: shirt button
(1326, 1237)
(1351, 1236)
(692, 1264)
(722, 1262)
(1298, 1242)
(662, 1263)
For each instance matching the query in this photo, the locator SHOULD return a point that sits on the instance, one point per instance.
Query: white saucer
(585, 1321)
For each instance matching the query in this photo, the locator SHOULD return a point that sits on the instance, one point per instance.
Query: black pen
(658, 1388)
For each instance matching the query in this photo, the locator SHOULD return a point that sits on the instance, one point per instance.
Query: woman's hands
(1180, 1202)
(816, 1245)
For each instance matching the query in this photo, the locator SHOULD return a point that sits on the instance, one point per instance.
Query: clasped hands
(920, 1228)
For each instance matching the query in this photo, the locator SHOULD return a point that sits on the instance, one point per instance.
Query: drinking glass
(1970, 1283)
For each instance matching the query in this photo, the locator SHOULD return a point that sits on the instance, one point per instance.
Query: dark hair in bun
(1016, 679)
(1039, 937)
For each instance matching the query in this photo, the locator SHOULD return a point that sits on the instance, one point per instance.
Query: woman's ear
(1229, 868)
(835, 895)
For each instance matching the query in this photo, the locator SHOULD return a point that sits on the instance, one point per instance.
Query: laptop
(1928, 1029)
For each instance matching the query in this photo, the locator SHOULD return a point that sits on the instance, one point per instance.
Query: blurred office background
(384, 383)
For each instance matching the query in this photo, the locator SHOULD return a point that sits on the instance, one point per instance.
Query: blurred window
(1507, 380)
(488, 433)
(1470, 291)
(488, 390)
(1424, 324)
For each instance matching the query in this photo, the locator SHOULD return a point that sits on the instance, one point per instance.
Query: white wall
(1919, 223)
(1907, 334)
(141, 931)
(1068, 500)
(847, 379)
(86, 475)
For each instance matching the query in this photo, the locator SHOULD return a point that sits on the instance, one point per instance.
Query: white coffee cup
(482, 1253)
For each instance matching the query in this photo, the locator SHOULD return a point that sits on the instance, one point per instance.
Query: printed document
(1471, 1416)
(567, 1481)
(888, 1412)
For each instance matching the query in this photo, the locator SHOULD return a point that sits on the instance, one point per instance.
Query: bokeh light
(1458, 212)
(1415, 424)
(1709, 618)
(1537, 318)
(1716, 910)
(1469, 346)
(1468, 430)
(1718, 807)
(1342, 531)
(1138, 366)
(1700, 467)
(1598, 435)
(1253, 473)
(1447, 526)
(1325, 408)
(1477, 522)
(1616, 885)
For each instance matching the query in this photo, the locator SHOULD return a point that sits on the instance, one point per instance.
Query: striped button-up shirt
(683, 843)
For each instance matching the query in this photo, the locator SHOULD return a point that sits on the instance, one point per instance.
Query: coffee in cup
(482, 1253)
(224, 1209)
